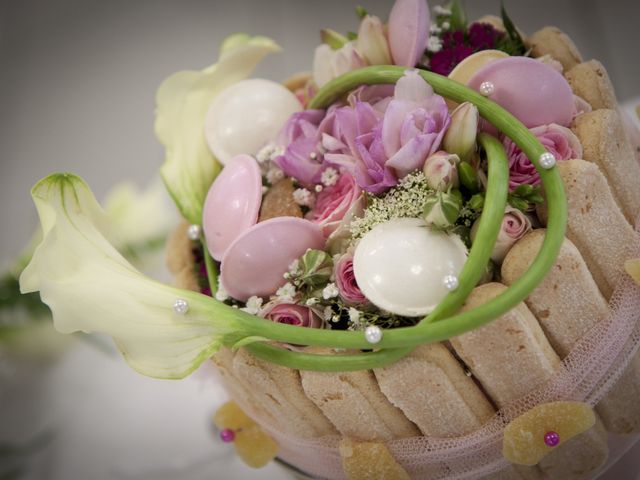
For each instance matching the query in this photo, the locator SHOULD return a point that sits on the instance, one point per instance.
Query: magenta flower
(300, 137)
(346, 282)
(558, 140)
(444, 61)
(291, 314)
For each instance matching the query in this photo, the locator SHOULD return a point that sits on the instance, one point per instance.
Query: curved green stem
(402, 339)
(488, 229)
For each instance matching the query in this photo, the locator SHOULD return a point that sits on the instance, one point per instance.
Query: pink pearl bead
(227, 435)
(551, 439)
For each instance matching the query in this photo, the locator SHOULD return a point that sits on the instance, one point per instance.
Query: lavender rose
(300, 137)
(558, 140)
(378, 149)
(291, 314)
(346, 281)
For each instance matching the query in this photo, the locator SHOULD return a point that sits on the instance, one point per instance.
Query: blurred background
(77, 86)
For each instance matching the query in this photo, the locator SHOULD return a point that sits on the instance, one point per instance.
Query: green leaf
(468, 176)
(458, 16)
(332, 38)
(516, 43)
(361, 12)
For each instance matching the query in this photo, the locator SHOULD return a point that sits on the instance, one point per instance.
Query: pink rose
(291, 314)
(335, 202)
(515, 225)
(558, 140)
(346, 281)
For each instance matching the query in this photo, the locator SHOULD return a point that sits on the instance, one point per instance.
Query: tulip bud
(442, 209)
(461, 135)
(372, 42)
(441, 170)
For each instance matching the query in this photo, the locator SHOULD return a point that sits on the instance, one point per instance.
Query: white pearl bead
(373, 334)
(486, 88)
(547, 160)
(193, 232)
(180, 306)
(450, 282)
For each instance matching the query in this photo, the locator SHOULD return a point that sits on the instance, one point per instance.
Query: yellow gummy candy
(230, 416)
(524, 437)
(633, 269)
(255, 447)
(369, 461)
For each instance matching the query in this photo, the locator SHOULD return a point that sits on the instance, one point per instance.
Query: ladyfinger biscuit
(553, 41)
(567, 302)
(595, 224)
(590, 81)
(430, 387)
(605, 143)
(509, 356)
(356, 406)
(178, 252)
(280, 389)
(223, 360)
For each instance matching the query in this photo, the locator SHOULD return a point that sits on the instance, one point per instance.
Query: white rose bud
(461, 135)
(441, 171)
(372, 42)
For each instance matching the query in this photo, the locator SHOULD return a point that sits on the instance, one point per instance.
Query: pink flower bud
(441, 170)
(515, 225)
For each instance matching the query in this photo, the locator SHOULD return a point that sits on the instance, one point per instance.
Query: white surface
(109, 423)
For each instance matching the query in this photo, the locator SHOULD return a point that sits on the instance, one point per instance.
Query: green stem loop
(437, 327)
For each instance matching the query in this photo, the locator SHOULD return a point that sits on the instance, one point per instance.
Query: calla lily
(90, 287)
(182, 103)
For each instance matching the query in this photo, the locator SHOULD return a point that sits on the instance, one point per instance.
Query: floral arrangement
(356, 211)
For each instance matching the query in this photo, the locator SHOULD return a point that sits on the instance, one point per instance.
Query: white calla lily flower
(182, 103)
(90, 287)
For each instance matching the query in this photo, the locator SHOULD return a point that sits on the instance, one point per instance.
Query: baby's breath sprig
(406, 200)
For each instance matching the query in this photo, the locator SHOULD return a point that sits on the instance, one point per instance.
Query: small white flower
(435, 28)
(312, 301)
(294, 267)
(303, 197)
(354, 315)
(446, 25)
(253, 305)
(268, 153)
(329, 177)
(440, 10)
(221, 294)
(335, 318)
(286, 292)
(434, 44)
(327, 313)
(274, 175)
(330, 291)
(264, 190)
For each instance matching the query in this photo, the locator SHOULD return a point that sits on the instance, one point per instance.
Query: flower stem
(212, 274)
